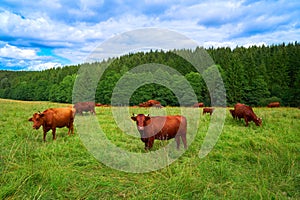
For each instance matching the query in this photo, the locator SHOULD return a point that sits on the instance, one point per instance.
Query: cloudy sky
(41, 34)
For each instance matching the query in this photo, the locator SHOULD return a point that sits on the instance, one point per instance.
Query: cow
(208, 110)
(88, 106)
(53, 118)
(161, 128)
(151, 103)
(273, 105)
(198, 105)
(246, 112)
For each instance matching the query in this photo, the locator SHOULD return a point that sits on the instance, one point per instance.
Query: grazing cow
(85, 107)
(273, 105)
(151, 103)
(246, 112)
(161, 128)
(198, 105)
(53, 118)
(208, 110)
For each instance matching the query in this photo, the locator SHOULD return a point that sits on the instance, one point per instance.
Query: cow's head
(232, 113)
(258, 121)
(141, 120)
(37, 120)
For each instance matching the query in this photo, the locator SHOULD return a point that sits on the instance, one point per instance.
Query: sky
(43, 34)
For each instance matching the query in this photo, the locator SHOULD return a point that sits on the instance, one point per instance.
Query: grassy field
(246, 163)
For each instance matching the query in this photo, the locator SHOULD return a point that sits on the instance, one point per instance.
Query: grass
(246, 162)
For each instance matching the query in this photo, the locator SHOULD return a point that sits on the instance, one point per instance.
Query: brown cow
(151, 103)
(53, 118)
(246, 112)
(88, 106)
(161, 128)
(198, 105)
(273, 105)
(208, 110)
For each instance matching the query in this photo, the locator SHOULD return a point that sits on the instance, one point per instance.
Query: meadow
(246, 162)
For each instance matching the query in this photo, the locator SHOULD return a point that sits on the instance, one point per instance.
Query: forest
(255, 76)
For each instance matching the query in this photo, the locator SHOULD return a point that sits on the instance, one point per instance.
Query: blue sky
(41, 34)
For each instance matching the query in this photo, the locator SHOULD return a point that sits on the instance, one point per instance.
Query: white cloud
(43, 66)
(9, 51)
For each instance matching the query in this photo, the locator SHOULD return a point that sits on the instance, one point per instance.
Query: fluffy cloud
(9, 51)
(42, 66)
(25, 59)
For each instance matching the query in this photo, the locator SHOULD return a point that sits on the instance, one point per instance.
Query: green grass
(246, 163)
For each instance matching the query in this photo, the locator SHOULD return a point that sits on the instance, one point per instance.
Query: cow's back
(59, 117)
(168, 125)
(241, 109)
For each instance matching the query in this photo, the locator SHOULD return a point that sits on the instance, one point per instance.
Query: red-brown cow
(53, 118)
(198, 105)
(273, 104)
(85, 107)
(161, 128)
(208, 110)
(151, 103)
(246, 112)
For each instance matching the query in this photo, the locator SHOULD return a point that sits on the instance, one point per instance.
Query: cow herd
(149, 127)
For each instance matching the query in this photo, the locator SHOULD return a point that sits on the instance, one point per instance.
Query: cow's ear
(133, 118)
(30, 119)
(42, 115)
(147, 117)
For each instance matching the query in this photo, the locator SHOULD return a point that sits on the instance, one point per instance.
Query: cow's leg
(44, 138)
(54, 133)
(246, 120)
(45, 130)
(183, 137)
(177, 138)
(71, 128)
(146, 146)
(150, 142)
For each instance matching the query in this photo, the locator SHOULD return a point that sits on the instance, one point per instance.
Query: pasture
(246, 162)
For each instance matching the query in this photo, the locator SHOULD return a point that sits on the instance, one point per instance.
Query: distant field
(246, 163)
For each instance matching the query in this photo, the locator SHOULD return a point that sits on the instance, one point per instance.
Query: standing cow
(208, 110)
(88, 106)
(151, 103)
(161, 128)
(246, 112)
(53, 118)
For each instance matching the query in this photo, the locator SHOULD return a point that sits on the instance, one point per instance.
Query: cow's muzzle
(36, 127)
(140, 128)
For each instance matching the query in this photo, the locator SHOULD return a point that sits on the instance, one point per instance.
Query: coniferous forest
(254, 76)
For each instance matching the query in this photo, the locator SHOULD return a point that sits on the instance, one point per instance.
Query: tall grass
(246, 162)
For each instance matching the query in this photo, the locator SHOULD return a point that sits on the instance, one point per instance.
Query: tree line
(254, 76)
